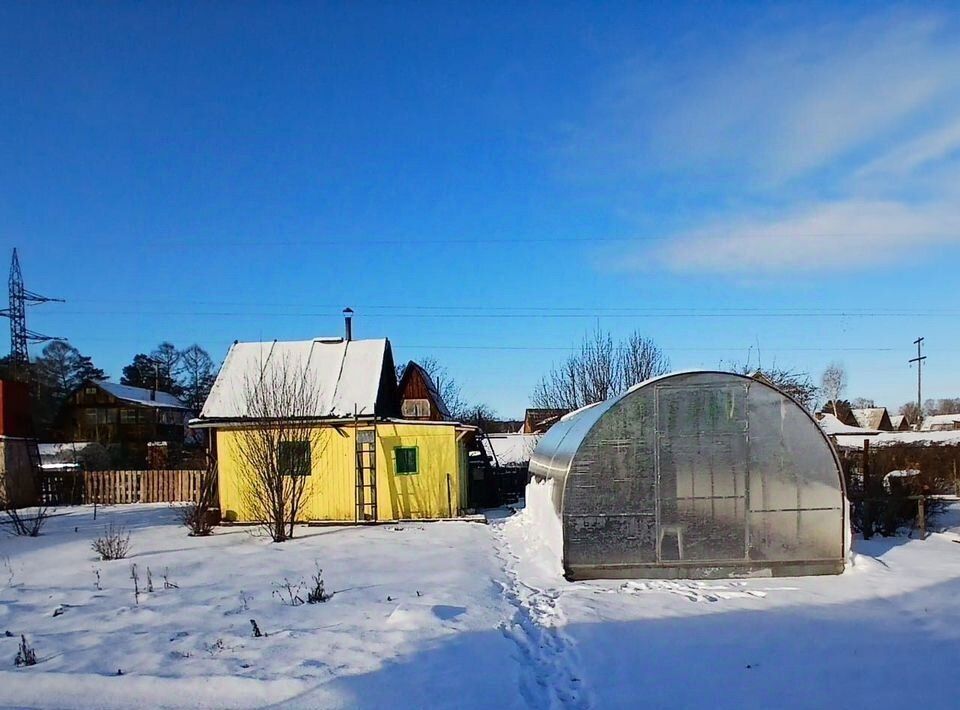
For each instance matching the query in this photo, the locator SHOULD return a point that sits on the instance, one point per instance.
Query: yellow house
(366, 463)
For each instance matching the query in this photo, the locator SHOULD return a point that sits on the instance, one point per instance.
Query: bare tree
(601, 376)
(197, 376)
(477, 414)
(941, 406)
(833, 383)
(796, 383)
(641, 359)
(912, 413)
(862, 403)
(599, 369)
(276, 448)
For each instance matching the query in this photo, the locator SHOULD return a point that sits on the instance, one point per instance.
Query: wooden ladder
(366, 463)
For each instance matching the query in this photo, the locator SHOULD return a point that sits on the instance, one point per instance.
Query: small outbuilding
(364, 462)
(873, 418)
(695, 474)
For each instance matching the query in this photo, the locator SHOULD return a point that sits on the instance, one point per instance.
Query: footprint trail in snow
(549, 677)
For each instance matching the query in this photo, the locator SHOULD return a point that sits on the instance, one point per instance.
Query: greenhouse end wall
(703, 474)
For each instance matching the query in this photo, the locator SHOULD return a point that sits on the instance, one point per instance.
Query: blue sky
(483, 183)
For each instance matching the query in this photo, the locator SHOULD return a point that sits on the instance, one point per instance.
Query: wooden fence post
(922, 516)
(867, 514)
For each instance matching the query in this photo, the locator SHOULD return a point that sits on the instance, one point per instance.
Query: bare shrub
(316, 594)
(22, 523)
(26, 655)
(257, 633)
(114, 544)
(275, 448)
(198, 515)
(20, 500)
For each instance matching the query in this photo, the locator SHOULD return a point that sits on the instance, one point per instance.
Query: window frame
(129, 415)
(306, 454)
(416, 460)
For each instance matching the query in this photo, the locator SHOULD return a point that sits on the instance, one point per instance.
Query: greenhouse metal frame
(695, 475)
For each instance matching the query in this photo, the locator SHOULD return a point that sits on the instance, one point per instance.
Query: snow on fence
(110, 487)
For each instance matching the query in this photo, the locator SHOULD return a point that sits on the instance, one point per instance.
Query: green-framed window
(407, 458)
(293, 458)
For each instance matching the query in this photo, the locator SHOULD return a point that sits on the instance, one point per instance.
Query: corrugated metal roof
(511, 449)
(141, 395)
(346, 374)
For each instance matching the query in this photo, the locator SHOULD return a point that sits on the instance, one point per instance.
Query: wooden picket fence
(112, 487)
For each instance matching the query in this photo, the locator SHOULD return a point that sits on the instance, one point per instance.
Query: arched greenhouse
(694, 474)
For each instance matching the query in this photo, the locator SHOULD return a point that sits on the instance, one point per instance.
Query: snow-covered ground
(458, 615)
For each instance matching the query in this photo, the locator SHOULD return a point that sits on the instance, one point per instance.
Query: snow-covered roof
(831, 425)
(141, 395)
(897, 420)
(50, 452)
(346, 374)
(869, 417)
(941, 422)
(512, 449)
(900, 438)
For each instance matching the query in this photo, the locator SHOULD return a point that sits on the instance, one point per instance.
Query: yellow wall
(331, 489)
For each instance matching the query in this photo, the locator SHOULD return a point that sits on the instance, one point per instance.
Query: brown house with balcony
(123, 416)
(419, 396)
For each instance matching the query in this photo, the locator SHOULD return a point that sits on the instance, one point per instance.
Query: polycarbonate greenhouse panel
(700, 474)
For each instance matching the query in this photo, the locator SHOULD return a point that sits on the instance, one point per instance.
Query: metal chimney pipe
(347, 324)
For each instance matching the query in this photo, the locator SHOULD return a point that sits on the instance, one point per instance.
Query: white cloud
(826, 237)
(778, 105)
(923, 151)
(836, 145)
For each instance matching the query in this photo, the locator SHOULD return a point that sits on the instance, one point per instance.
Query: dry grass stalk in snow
(317, 594)
(136, 583)
(275, 451)
(26, 655)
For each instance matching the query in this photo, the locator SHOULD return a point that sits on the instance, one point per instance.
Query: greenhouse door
(701, 463)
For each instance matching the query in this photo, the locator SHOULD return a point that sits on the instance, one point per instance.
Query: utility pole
(919, 360)
(20, 298)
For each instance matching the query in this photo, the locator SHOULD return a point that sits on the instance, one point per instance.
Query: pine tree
(58, 371)
(159, 369)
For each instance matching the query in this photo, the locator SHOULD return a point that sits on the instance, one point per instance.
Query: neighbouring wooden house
(899, 422)
(419, 397)
(367, 462)
(941, 422)
(537, 421)
(123, 416)
(873, 418)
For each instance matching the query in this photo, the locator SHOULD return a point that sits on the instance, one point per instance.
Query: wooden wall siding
(111, 487)
(414, 387)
